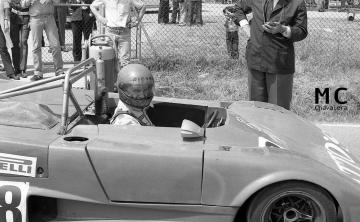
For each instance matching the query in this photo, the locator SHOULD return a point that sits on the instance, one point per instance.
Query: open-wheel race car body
(228, 161)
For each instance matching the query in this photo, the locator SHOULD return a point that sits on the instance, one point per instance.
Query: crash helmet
(135, 85)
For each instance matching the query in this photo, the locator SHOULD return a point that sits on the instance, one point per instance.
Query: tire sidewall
(264, 199)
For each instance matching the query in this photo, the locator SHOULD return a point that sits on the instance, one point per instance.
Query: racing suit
(127, 115)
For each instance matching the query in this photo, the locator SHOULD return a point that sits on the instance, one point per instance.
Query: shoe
(182, 24)
(23, 74)
(2, 68)
(35, 78)
(14, 76)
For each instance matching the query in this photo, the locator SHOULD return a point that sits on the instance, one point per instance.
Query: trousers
(270, 88)
(37, 25)
(80, 28)
(175, 11)
(164, 9)
(19, 33)
(60, 18)
(122, 46)
(5, 56)
(232, 44)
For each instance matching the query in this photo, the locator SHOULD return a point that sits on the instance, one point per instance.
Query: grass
(191, 62)
(327, 58)
(226, 80)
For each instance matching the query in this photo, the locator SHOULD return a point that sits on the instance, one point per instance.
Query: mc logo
(326, 93)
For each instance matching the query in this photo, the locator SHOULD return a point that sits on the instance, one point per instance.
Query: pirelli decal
(17, 165)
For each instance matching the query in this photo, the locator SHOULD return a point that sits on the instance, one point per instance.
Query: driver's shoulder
(124, 119)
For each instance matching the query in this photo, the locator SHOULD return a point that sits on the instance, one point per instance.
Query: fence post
(139, 29)
(102, 12)
(138, 43)
(149, 40)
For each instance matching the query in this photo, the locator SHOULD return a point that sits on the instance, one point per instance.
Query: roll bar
(72, 75)
(68, 93)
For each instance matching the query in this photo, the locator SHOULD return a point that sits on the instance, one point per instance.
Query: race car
(203, 161)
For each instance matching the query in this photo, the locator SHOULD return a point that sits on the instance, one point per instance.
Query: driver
(136, 90)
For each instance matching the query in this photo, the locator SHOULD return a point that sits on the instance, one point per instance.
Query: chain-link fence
(331, 33)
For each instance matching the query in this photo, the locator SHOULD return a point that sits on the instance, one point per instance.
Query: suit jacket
(267, 52)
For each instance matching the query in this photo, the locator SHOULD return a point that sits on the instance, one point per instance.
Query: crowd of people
(184, 12)
(18, 17)
(275, 26)
(24, 19)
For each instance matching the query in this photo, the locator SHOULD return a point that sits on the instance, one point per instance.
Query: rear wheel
(292, 202)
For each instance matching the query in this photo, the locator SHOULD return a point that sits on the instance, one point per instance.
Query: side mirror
(190, 129)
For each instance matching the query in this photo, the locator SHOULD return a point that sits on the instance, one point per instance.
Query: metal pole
(27, 91)
(136, 42)
(85, 73)
(30, 85)
(149, 40)
(67, 88)
(76, 104)
(140, 42)
(102, 12)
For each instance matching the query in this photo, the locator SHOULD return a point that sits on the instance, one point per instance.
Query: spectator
(232, 36)
(19, 33)
(175, 11)
(5, 40)
(270, 55)
(118, 23)
(82, 22)
(342, 4)
(194, 12)
(182, 9)
(198, 12)
(42, 18)
(164, 8)
(310, 3)
(60, 18)
(322, 5)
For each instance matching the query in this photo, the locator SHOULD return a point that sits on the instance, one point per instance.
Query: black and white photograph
(179, 110)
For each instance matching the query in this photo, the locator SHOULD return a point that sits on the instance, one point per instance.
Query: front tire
(292, 202)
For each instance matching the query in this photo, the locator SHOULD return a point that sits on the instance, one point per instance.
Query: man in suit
(270, 54)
